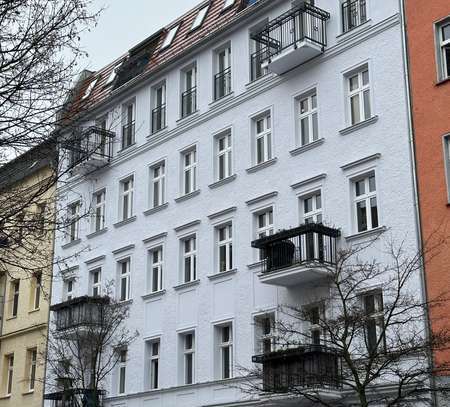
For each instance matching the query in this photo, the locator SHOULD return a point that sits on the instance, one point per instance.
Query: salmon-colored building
(428, 37)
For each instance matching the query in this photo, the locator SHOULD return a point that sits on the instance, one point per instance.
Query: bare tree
(362, 337)
(87, 339)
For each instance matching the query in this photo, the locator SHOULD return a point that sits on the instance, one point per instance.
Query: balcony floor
(295, 275)
(280, 400)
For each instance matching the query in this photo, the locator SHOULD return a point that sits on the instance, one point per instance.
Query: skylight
(170, 36)
(89, 88)
(113, 74)
(200, 17)
(228, 3)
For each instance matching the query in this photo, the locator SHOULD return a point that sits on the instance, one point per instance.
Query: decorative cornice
(159, 236)
(364, 160)
(223, 212)
(187, 225)
(308, 181)
(123, 249)
(95, 259)
(261, 198)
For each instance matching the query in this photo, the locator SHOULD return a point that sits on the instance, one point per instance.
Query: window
(222, 78)
(10, 373)
(446, 141)
(126, 201)
(128, 129)
(225, 247)
(156, 270)
(365, 202)
(359, 96)
(225, 349)
(315, 314)
(96, 282)
(40, 218)
(224, 156)
(170, 37)
(37, 285)
(68, 289)
(113, 74)
(125, 274)
(188, 341)
(264, 227)
(312, 208)
(89, 89)
(99, 210)
(73, 221)
(158, 184)
(189, 171)
(444, 48)
(263, 139)
(15, 288)
(189, 259)
(159, 108)
(32, 360)
(153, 363)
(122, 370)
(189, 94)
(264, 329)
(308, 127)
(353, 14)
(373, 310)
(200, 17)
(228, 3)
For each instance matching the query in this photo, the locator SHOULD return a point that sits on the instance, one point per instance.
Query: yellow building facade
(25, 276)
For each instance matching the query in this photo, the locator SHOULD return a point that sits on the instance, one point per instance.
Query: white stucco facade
(379, 145)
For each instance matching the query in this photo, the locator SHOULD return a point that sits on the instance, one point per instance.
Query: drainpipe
(412, 153)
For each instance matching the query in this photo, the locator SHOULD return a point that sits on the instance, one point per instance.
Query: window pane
(260, 150)
(222, 258)
(355, 109)
(361, 213)
(226, 362)
(365, 77)
(315, 127)
(304, 106)
(354, 82)
(314, 101)
(374, 212)
(446, 32)
(372, 186)
(189, 368)
(447, 59)
(221, 166)
(367, 110)
(304, 124)
(360, 187)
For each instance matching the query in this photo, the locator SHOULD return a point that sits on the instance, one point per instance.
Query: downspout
(417, 217)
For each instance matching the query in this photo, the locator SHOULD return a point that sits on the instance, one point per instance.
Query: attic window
(200, 17)
(228, 3)
(113, 74)
(89, 88)
(170, 36)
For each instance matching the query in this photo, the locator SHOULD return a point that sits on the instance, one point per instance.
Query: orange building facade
(428, 38)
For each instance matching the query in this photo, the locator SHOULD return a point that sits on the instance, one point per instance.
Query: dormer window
(228, 3)
(200, 17)
(113, 74)
(170, 37)
(89, 88)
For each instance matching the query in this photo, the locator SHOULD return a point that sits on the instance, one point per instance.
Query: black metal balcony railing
(128, 133)
(222, 84)
(256, 61)
(310, 243)
(311, 366)
(158, 118)
(94, 142)
(189, 102)
(353, 14)
(305, 22)
(76, 398)
(81, 311)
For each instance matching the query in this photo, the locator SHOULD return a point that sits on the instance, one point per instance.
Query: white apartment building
(215, 139)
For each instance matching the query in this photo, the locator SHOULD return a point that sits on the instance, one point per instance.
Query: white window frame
(261, 336)
(224, 154)
(224, 346)
(310, 116)
(156, 269)
(124, 266)
(267, 229)
(99, 210)
(122, 367)
(359, 92)
(377, 315)
(126, 195)
(73, 221)
(189, 171)
(201, 14)
(189, 252)
(96, 287)
(158, 184)
(154, 363)
(227, 244)
(314, 328)
(68, 289)
(263, 138)
(15, 297)
(32, 355)
(315, 215)
(366, 198)
(170, 36)
(228, 3)
(442, 46)
(188, 353)
(10, 373)
(128, 120)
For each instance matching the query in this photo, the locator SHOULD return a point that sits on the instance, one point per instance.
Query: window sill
(125, 222)
(164, 129)
(443, 81)
(358, 126)
(97, 233)
(27, 393)
(354, 31)
(126, 149)
(126, 302)
(187, 196)
(367, 233)
(261, 166)
(186, 285)
(255, 266)
(306, 147)
(156, 294)
(221, 182)
(7, 396)
(32, 311)
(71, 244)
(10, 318)
(223, 99)
(260, 80)
(156, 209)
(222, 274)
(191, 116)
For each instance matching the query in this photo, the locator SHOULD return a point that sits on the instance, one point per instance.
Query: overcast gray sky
(124, 23)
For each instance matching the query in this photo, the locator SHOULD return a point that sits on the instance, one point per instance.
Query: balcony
(222, 84)
(80, 312)
(293, 38)
(75, 398)
(353, 14)
(297, 256)
(158, 118)
(258, 68)
(188, 102)
(89, 150)
(305, 367)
